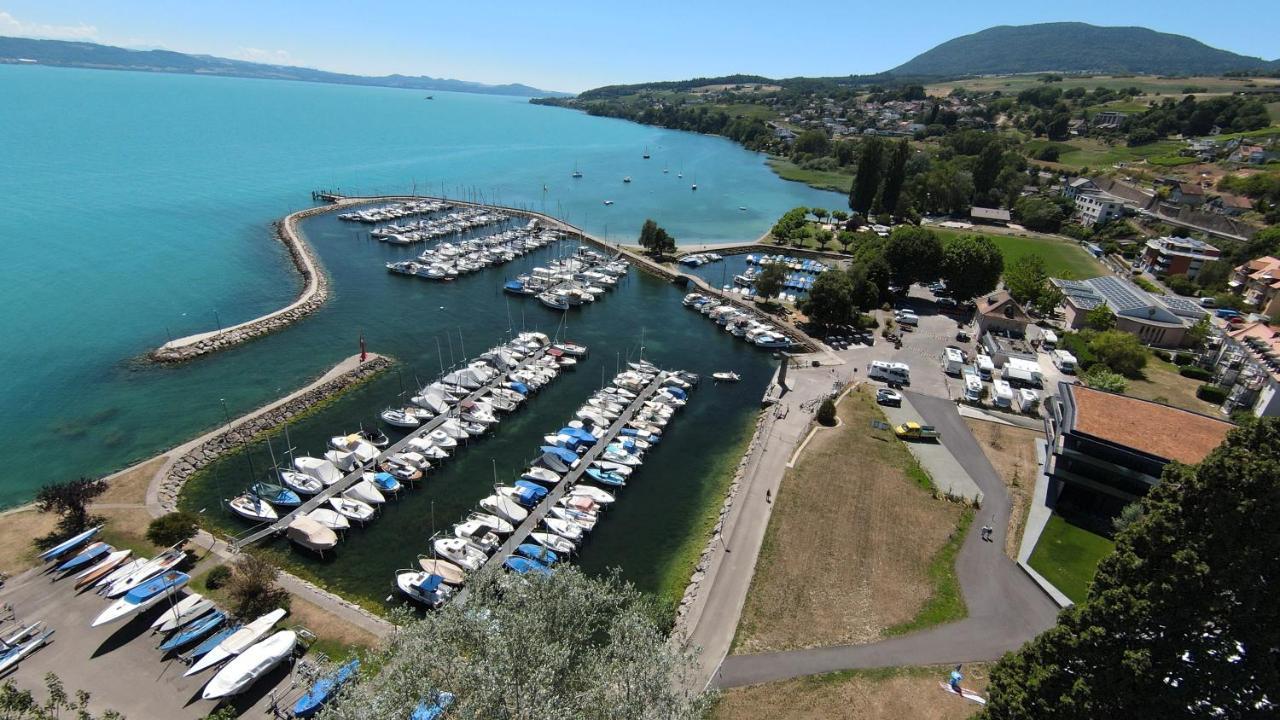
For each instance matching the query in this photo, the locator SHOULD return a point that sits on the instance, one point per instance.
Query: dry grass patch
(130, 486)
(888, 694)
(17, 552)
(328, 626)
(850, 543)
(1012, 452)
(1163, 384)
(127, 528)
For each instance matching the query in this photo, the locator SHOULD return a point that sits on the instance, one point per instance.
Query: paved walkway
(1005, 607)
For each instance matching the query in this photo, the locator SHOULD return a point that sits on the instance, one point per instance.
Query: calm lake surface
(138, 207)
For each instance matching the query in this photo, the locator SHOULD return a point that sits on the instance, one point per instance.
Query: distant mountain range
(1076, 47)
(106, 57)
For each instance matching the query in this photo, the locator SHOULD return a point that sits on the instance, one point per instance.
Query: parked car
(962, 336)
(946, 302)
(916, 431)
(888, 396)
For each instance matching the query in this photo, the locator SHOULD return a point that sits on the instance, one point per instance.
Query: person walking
(768, 496)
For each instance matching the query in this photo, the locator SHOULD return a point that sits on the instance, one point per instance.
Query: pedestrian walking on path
(768, 496)
(986, 533)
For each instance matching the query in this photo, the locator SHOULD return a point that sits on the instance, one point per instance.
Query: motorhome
(1003, 394)
(1049, 339)
(1028, 400)
(986, 366)
(1064, 361)
(1022, 373)
(972, 385)
(952, 361)
(891, 372)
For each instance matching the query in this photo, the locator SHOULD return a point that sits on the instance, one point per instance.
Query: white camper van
(1048, 339)
(890, 372)
(1064, 361)
(1003, 394)
(986, 366)
(952, 361)
(972, 385)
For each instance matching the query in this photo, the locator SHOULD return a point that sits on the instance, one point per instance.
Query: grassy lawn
(1012, 452)
(1148, 84)
(1089, 152)
(881, 694)
(1162, 383)
(1068, 556)
(821, 179)
(835, 567)
(1062, 258)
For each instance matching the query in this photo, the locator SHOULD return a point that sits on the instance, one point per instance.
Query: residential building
(1251, 154)
(1079, 185)
(1231, 205)
(1108, 120)
(1258, 282)
(1177, 256)
(1107, 450)
(989, 216)
(1187, 193)
(1248, 362)
(999, 312)
(1158, 320)
(1093, 208)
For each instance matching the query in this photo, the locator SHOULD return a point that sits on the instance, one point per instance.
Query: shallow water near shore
(138, 207)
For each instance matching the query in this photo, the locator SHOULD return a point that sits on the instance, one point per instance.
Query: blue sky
(574, 44)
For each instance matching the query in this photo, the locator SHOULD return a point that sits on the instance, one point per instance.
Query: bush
(1211, 393)
(827, 412)
(1182, 359)
(1182, 285)
(1120, 351)
(172, 529)
(253, 587)
(1163, 355)
(1195, 373)
(1100, 377)
(1049, 153)
(217, 577)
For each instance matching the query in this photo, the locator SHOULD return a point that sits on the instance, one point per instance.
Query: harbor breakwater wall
(200, 453)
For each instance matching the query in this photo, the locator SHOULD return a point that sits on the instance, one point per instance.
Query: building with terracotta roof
(1248, 362)
(1107, 450)
(1258, 282)
(1187, 193)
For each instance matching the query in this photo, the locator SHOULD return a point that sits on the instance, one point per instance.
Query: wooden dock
(322, 498)
(521, 534)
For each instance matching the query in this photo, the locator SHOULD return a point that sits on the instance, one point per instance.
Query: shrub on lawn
(1195, 373)
(172, 529)
(1183, 359)
(827, 412)
(217, 577)
(1163, 355)
(1211, 393)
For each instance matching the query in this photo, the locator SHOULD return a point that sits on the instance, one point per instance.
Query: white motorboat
(330, 518)
(564, 528)
(493, 522)
(252, 507)
(726, 376)
(424, 587)
(364, 451)
(444, 440)
(553, 542)
(451, 573)
(237, 642)
(597, 495)
(188, 608)
(427, 447)
(570, 348)
(253, 663)
(504, 508)
(587, 521)
(400, 418)
(322, 470)
(542, 475)
(352, 509)
(460, 552)
(453, 429)
(301, 483)
(365, 491)
(166, 560)
(613, 467)
(436, 402)
(477, 534)
(581, 503)
(311, 534)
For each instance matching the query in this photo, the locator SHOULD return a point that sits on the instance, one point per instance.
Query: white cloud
(10, 25)
(258, 55)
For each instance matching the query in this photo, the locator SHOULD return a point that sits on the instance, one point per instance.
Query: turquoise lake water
(139, 206)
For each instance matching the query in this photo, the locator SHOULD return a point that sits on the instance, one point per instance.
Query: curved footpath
(1005, 607)
(316, 283)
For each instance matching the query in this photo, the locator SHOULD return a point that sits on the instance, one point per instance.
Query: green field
(820, 179)
(1148, 84)
(1068, 556)
(1087, 152)
(1062, 258)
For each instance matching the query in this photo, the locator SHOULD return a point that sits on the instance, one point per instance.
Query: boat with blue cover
(604, 477)
(424, 587)
(69, 544)
(143, 596)
(435, 708)
(387, 483)
(212, 642)
(536, 552)
(91, 554)
(194, 631)
(523, 565)
(276, 494)
(566, 456)
(324, 689)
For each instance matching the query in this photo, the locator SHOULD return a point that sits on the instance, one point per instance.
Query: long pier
(355, 475)
(570, 479)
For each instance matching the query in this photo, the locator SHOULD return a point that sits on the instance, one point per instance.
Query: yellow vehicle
(916, 431)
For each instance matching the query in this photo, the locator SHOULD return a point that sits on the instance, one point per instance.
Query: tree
(827, 412)
(18, 704)
(863, 291)
(1026, 278)
(1048, 300)
(71, 501)
(895, 177)
(1181, 619)
(971, 266)
(253, 588)
(1100, 318)
(1120, 351)
(839, 215)
(655, 240)
(866, 182)
(811, 142)
(1100, 377)
(787, 226)
(914, 254)
(830, 300)
(987, 168)
(172, 529)
(1198, 333)
(770, 281)
(1039, 214)
(596, 647)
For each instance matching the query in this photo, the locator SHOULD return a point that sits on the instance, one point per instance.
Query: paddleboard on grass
(969, 695)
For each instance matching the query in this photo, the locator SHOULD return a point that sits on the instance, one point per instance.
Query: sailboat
(576, 172)
(646, 152)
(695, 183)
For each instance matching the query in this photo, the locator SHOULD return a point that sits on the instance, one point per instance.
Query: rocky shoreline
(180, 469)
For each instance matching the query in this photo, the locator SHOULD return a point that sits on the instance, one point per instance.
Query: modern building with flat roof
(1159, 320)
(1177, 256)
(1107, 450)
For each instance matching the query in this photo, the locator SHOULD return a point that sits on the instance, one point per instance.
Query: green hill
(1076, 47)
